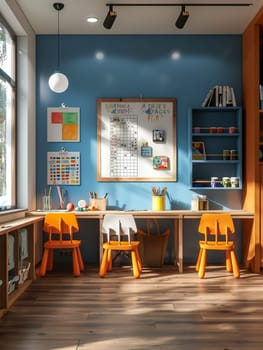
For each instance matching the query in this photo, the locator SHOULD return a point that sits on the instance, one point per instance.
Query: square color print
(63, 168)
(63, 124)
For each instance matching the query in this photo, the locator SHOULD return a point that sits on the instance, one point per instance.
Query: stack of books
(220, 96)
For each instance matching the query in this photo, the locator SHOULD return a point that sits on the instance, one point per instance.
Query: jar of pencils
(158, 198)
(46, 203)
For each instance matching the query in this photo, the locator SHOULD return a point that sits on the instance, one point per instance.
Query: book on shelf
(207, 98)
(220, 96)
(232, 93)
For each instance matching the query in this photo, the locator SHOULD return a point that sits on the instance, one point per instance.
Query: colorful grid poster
(136, 139)
(63, 168)
(63, 124)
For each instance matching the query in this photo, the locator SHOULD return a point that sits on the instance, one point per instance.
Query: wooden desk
(178, 217)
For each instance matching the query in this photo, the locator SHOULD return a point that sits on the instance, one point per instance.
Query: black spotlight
(110, 18)
(183, 17)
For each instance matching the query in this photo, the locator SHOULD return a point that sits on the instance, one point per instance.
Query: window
(7, 117)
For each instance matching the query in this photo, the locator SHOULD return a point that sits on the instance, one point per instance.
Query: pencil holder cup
(158, 202)
(46, 203)
(99, 203)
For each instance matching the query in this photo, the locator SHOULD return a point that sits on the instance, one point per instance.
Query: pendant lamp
(58, 82)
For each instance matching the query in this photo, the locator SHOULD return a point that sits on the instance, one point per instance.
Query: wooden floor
(161, 310)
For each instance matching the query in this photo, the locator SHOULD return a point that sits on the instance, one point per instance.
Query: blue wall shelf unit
(215, 147)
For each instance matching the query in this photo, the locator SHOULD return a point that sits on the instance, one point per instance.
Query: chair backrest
(216, 225)
(60, 223)
(119, 225)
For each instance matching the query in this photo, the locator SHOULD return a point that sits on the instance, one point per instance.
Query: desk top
(16, 224)
(162, 214)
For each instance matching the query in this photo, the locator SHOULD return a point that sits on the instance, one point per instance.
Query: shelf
(208, 134)
(215, 188)
(223, 162)
(19, 253)
(210, 147)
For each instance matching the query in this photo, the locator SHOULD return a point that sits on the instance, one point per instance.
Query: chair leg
(43, 266)
(50, 260)
(136, 269)
(80, 260)
(138, 258)
(197, 266)
(229, 267)
(104, 263)
(235, 266)
(109, 260)
(201, 272)
(75, 262)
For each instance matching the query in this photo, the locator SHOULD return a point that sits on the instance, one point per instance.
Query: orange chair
(120, 225)
(216, 229)
(62, 224)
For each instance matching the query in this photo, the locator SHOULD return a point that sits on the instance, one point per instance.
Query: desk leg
(180, 245)
(176, 261)
(101, 239)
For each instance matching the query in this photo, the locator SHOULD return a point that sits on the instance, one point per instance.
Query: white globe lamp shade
(58, 82)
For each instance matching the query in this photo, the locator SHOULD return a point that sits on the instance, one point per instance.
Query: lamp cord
(58, 44)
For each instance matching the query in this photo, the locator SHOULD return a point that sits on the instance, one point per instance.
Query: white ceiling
(139, 20)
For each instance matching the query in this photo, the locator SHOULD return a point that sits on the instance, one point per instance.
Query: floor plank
(161, 310)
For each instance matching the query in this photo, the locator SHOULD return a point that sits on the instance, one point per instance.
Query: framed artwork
(136, 139)
(198, 150)
(158, 135)
(146, 151)
(63, 168)
(63, 124)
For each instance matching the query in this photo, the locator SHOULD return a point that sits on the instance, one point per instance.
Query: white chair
(122, 227)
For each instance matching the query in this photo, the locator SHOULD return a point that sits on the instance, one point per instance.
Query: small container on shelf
(23, 272)
(232, 130)
(226, 154)
(196, 130)
(212, 130)
(214, 181)
(234, 181)
(233, 154)
(12, 283)
(226, 181)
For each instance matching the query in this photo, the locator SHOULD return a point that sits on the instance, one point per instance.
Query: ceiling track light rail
(181, 4)
(182, 18)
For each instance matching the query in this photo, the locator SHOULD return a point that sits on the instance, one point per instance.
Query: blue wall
(181, 67)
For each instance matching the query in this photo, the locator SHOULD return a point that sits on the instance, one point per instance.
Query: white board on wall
(136, 140)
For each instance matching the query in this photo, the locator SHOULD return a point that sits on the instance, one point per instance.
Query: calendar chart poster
(126, 128)
(63, 168)
(63, 124)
